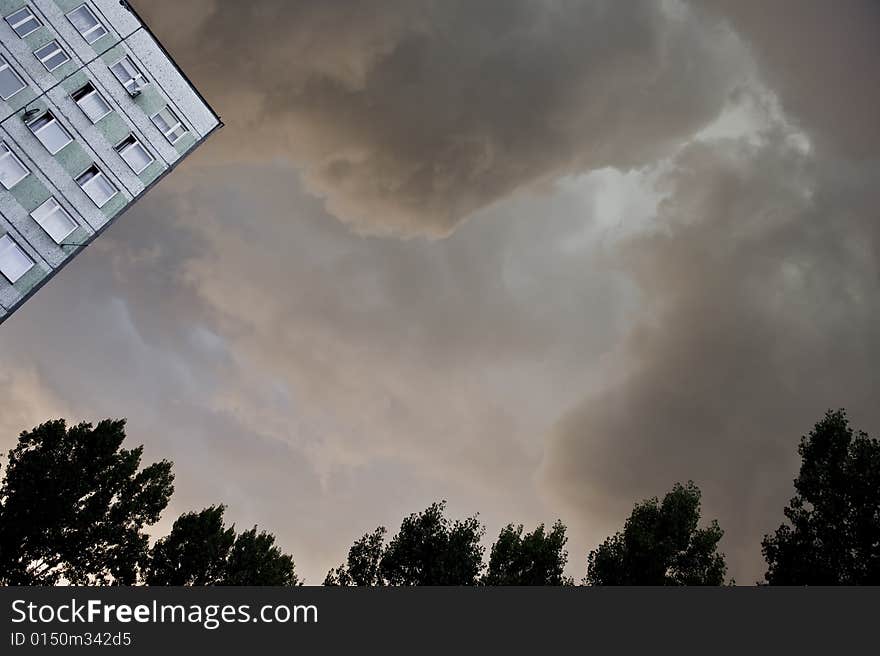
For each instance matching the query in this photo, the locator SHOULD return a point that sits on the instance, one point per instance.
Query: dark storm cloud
(761, 294)
(761, 311)
(822, 59)
(410, 115)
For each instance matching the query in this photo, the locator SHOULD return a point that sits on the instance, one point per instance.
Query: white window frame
(52, 54)
(93, 92)
(179, 124)
(134, 142)
(3, 66)
(7, 243)
(6, 152)
(36, 132)
(99, 174)
(97, 26)
(40, 216)
(32, 15)
(138, 79)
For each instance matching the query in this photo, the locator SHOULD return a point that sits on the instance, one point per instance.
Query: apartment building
(93, 112)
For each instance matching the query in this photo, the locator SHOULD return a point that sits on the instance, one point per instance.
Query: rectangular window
(96, 185)
(91, 102)
(52, 55)
(86, 23)
(50, 132)
(14, 262)
(23, 21)
(167, 121)
(10, 82)
(134, 153)
(55, 220)
(129, 75)
(12, 171)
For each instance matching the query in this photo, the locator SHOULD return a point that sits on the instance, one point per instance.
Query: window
(10, 82)
(14, 262)
(87, 24)
(167, 121)
(91, 102)
(23, 21)
(51, 55)
(127, 73)
(50, 132)
(54, 219)
(96, 185)
(134, 154)
(12, 171)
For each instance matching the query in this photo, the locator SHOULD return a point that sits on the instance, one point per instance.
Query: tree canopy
(194, 553)
(661, 545)
(362, 566)
(429, 549)
(201, 550)
(536, 558)
(833, 534)
(255, 560)
(73, 506)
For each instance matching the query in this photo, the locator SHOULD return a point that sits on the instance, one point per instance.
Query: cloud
(406, 351)
(408, 116)
(760, 311)
(26, 403)
(320, 382)
(760, 292)
(821, 58)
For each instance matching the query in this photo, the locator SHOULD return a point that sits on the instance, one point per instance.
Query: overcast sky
(541, 259)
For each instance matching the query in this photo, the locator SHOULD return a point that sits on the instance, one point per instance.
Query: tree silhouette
(536, 558)
(195, 551)
(833, 537)
(661, 545)
(362, 566)
(429, 549)
(255, 560)
(201, 550)
(73, 505)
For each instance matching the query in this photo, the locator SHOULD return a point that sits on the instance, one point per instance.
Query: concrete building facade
(93, 112)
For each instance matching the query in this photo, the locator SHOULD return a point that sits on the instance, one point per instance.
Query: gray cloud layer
(317, 382)
(761, 306)
(410, 115)
(761, 311)
(821, 57)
